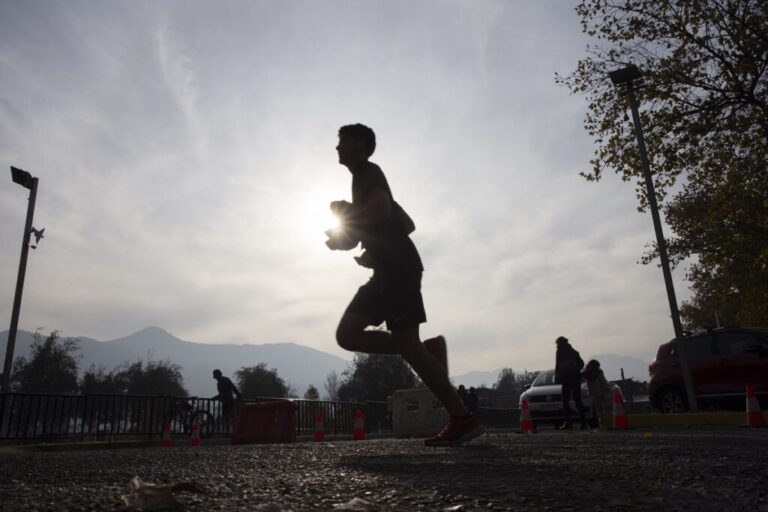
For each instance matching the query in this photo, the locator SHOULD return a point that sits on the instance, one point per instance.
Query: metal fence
(27, 416)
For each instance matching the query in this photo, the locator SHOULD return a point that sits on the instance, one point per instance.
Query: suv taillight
(652, 368)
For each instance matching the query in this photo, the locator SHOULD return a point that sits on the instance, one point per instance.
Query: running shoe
(459, 430)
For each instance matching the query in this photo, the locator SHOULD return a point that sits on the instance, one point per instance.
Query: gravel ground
(673, 469)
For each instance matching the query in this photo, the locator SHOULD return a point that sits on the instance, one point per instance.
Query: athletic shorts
(394, 299)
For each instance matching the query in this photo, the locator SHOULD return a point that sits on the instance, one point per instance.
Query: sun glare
(316, 215)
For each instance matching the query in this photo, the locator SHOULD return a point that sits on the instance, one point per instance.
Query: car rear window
(545, 378)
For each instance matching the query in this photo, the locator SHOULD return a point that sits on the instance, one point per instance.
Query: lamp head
(625, 75)
(21, 177)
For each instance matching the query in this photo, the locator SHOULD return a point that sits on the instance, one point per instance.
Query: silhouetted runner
(393, 294)
(227, 393)
(568, 365)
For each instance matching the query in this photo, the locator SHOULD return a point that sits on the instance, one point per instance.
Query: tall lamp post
(26, 180)
(628, 77)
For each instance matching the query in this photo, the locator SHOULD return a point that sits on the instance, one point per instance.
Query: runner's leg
(351, 335)
(428, 368)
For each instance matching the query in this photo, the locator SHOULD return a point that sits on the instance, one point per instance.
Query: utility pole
(628, 76)
(26, 180)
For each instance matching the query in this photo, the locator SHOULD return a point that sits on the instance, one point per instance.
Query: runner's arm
(378, 207)
(407, 222)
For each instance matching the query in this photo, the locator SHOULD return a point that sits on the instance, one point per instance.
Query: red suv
(722, 362)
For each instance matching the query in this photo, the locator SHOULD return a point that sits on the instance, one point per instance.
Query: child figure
(598, 388)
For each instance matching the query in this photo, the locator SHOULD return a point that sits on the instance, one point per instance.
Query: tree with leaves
(152, 378)
(311, 393)
(99, 380)
(375, 377)
(259, 381)
(704, 101)
(514, 383)
(52, 366)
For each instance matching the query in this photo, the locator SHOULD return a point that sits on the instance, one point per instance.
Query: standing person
(227, 393)
(473, 401)
(393, 294)
(462, 392)
(598, 388)
(568, 365)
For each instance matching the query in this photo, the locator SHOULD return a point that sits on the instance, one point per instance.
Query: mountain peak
(149, 336)
(153, 331)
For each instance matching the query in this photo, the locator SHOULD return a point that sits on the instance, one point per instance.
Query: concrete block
(416, 413)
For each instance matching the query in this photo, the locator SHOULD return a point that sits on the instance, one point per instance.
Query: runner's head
(217, 374)
(357, 143)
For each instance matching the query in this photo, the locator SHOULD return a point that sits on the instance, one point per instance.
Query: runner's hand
(340, 208)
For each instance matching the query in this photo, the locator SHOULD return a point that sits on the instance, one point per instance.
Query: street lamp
(628, 77)
(27, 181)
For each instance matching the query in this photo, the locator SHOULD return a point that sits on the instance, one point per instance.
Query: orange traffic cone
(319, 431)
(359, 433)
(195, 440)
(755, 416)
(526, 423)
(619, 418)
(166, 442)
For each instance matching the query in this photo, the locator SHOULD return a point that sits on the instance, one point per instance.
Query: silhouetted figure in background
(227, 393)
(393, 294)
(599, 390)
(462, 392)
(568, 365)
(473, 401)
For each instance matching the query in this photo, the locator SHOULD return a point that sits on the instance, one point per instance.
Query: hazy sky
(186, 157)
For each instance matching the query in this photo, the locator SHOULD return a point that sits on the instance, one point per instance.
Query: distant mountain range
(298, 365)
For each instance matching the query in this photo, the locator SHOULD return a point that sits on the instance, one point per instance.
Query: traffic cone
(619, 418)
(755, 416)
(319, 431)
(166, 442)
(526, 423)
(195, 440)
(359, 433)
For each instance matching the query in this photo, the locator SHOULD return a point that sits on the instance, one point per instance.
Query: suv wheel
(671, 400)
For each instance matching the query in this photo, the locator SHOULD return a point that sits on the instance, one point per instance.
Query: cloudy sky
(186, 157)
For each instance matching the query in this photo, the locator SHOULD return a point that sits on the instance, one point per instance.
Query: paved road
(699, 469)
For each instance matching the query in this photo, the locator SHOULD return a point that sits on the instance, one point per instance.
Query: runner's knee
(347, 333)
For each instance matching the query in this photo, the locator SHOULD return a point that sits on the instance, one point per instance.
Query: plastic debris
(150, 497)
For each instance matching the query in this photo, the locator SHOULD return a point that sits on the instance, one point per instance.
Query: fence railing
(27, 416)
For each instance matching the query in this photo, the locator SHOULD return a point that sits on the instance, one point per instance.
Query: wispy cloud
(186, 157)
